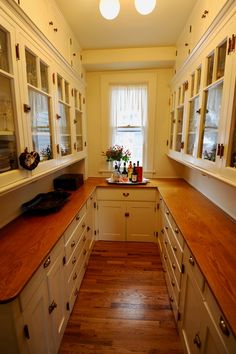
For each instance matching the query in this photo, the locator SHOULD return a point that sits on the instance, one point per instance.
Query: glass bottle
(134, 176)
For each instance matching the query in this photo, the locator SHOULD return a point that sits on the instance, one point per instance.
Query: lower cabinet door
(37, 326)
(140, 221)
(111, 220)
(57, 299)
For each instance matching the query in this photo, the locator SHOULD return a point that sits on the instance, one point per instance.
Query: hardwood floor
(123, 306)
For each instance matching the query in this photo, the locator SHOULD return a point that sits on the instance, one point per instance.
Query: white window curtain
(128, 118)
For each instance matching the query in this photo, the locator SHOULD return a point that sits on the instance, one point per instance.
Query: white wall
(162, 166)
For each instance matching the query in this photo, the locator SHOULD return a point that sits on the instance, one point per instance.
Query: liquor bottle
(130, 170)
(124, 172)
(139, 170)
(134, 176)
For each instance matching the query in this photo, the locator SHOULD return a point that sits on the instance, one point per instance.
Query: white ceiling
(129, 29)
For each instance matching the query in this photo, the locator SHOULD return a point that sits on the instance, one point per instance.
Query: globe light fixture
(145, 7)
(109, 9)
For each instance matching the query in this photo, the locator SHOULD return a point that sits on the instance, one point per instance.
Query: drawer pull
(77, 217)
(76, 292)
(167, 212)
(72, 244)
(166, 227)
(84, 238)
(88, 229)
(173, 266)
(172, 283)
(176, 231)
(83, 226)
(197, 341)
(162, 231)
(125, 194)
(165, 258)
(75, 276)
(191, 260)
(175, 248)
(74, 260)
(223, 326)
(171, 299)
(166, 243)
(52, 307)
(47, 262)
(84, 253)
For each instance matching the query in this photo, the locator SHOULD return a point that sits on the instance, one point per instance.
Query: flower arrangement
(117, 153)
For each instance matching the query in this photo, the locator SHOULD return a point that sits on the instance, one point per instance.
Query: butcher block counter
(208, 231)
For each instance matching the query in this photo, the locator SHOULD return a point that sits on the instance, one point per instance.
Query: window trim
(150, 79)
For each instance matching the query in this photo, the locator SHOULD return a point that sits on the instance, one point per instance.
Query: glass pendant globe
(145, 7)
(109, 8)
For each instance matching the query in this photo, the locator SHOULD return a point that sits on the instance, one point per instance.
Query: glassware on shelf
(31, 68)
(192, 126)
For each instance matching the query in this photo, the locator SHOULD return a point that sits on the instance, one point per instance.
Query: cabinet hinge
(95, 205)
(190, 28)
(26, 331)
(176, 53)
(53, 78)
(17, 51)
(18, 2)
(64, 260)
(167, 142)
(95, 232)
(182, 145)
(68, 306)
(179, 316)
(231, 44)
(70, 41)
(156, 233)
(158, 206)
(58, 149)
(182, 269)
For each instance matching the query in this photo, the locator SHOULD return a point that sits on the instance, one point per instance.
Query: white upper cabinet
(42, 98)
(202, 129)
(11, 129)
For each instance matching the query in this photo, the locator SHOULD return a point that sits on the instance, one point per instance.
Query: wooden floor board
(123, 305)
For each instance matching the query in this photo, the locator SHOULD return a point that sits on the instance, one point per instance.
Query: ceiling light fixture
(145, 7)
(110, 8)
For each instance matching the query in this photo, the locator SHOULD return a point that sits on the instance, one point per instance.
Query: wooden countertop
(209, 233)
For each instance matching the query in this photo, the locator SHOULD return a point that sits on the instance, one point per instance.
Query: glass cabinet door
(78, 121)
(211, 105)
(179, 128)
(64, 116)
(191, 147)
(39, 105)
(8, 143)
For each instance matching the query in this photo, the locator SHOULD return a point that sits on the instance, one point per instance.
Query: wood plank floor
(123, 306)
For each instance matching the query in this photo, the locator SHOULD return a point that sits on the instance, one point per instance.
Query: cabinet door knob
(197, 341)
(223, 327)
(125, 194)
(75, 276)
(72, 244)
(74, 260)
(175, 248)
(47, 262)
(126, 215)
(191, 260)
(52, 307)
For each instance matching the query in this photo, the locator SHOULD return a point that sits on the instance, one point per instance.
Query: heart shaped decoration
(29, 160)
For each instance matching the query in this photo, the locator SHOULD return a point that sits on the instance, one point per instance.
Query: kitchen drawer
(175, 285)
(40, 274)
(75, 222)
(136, 194)
(173, 302)
(193, 268)
(172, 224)
(76, 254)
(175, 246)
(72, 241)
(174, 265)
(75, 277)
(219, 320)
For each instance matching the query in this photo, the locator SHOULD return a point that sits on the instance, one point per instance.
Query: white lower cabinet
(202, 326)
(35, 321)
(126, 214)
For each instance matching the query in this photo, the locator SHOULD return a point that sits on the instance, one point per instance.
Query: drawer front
(173, 302)
(172, 224)
(136, 194)
(175, 246)
(76, 254)
(72, 242)
(174, 265)
(74, 224)
(221, 324)
(194, 269)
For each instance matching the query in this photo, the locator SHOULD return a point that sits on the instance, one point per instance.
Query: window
(128, 115)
